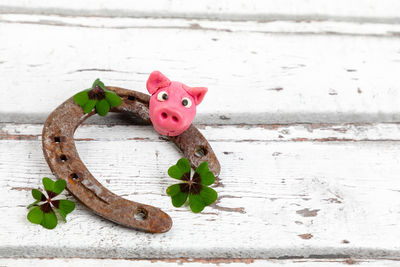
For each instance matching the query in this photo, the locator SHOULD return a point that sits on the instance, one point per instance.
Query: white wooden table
(303, 112)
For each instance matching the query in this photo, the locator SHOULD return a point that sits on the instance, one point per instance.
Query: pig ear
(197, 93)
(156, 80)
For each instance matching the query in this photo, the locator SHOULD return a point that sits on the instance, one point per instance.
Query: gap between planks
(77, 262)
(279, 27)
(222, 133)
(239, 10)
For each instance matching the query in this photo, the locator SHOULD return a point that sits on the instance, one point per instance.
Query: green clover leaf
(178, 198)
(59, 186)
(36, 194)
(42, 211)
(102, 107)
(82, 98)
(49, 220)
(89, 106)
(113, 99)
(48, 184)
(195, 188)
(62, 214)
(99, 83)
(35, 215)
(196, 203)
(208, 195)
(67, 206)
(180, 170)
(64, 207)
(98, 97)
(207, 177)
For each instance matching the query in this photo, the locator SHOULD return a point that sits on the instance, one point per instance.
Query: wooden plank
(76, 262)
(355, 10)
(277, 199)
(271, 27)
(281, 78)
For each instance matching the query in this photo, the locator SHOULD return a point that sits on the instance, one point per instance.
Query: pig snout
(168, 118)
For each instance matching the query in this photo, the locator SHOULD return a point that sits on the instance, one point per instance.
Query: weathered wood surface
(257, 72)
(309, 189)
(197, 262)
(347, 10)
(285, 191)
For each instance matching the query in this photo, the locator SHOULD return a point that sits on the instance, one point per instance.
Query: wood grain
(196, 262)
(344, 10)
(256, 72)
(218, 133)
(343, 193)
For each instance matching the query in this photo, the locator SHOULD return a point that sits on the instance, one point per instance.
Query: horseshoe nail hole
(131, 97)
(200, 151)
(74, 176)
(140, 214)
(57, 139)
(63, 158)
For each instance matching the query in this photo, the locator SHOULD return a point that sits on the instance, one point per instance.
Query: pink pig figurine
(172, 104)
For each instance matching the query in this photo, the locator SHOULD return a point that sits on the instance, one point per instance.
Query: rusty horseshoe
(61, 155)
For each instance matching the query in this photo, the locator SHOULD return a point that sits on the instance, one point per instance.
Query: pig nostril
(164, 115)
(175, 119)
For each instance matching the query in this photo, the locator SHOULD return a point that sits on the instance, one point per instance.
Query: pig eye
(162, 96)
(186, 102)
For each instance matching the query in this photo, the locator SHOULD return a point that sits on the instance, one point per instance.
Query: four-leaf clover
(42, 210)
(200, 195)
(97, 96)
